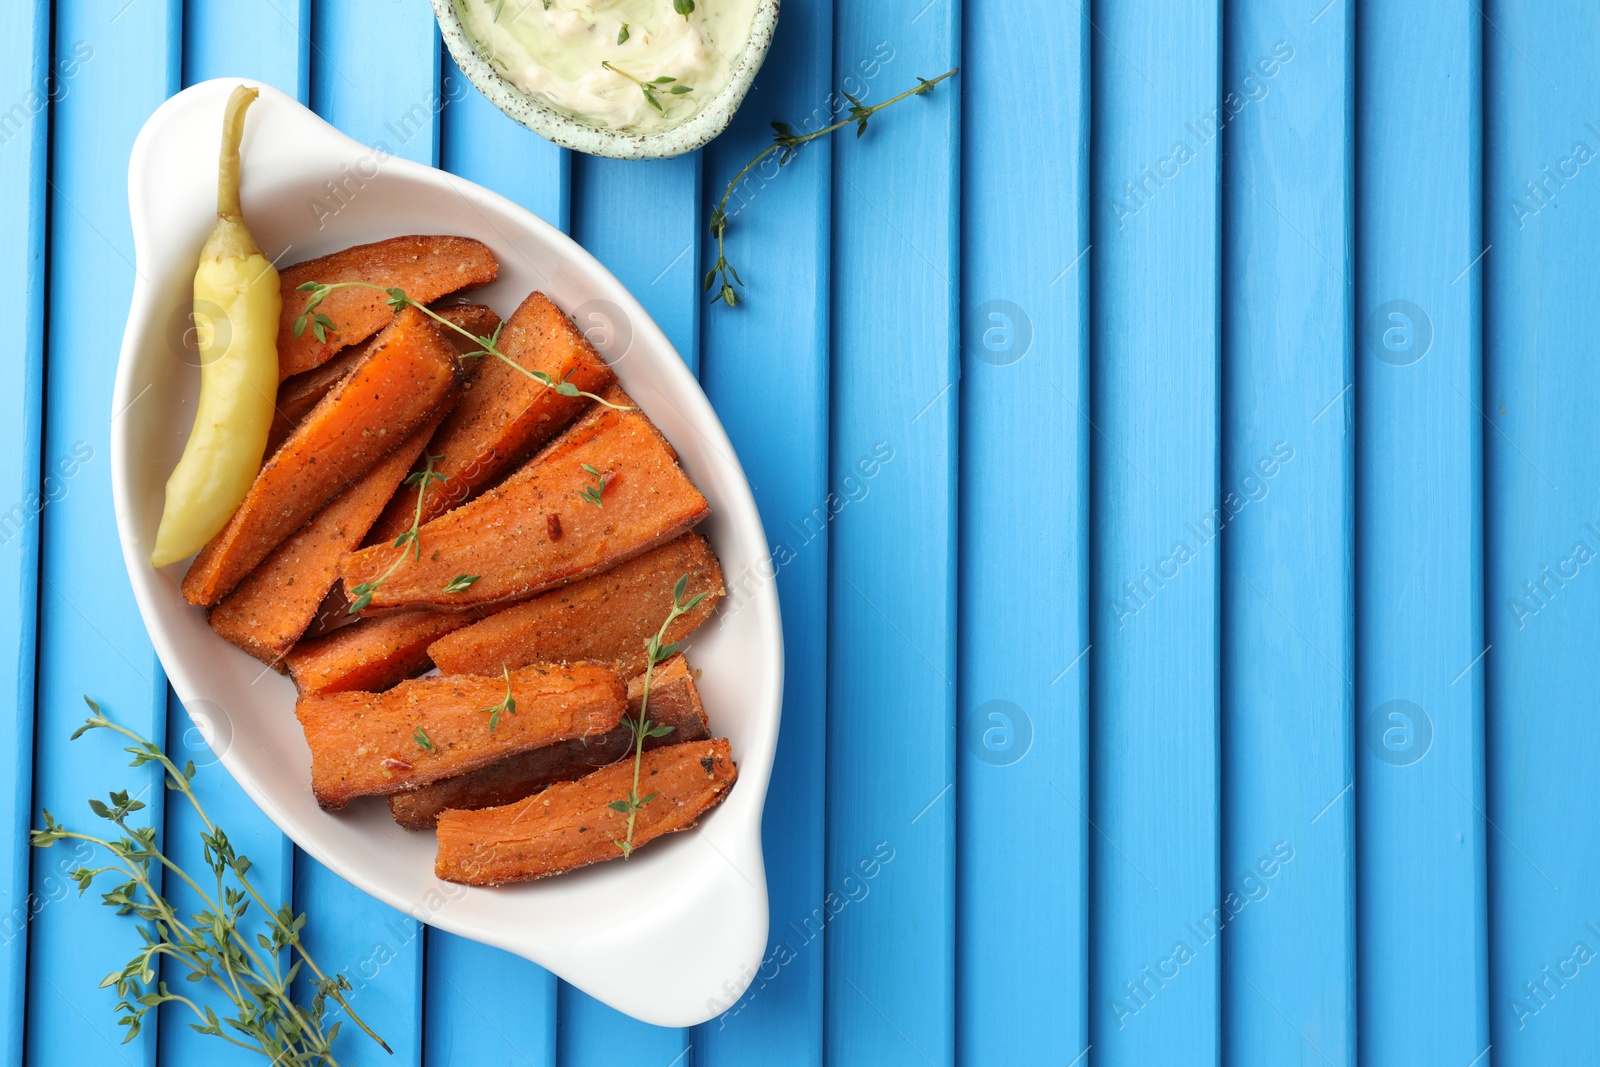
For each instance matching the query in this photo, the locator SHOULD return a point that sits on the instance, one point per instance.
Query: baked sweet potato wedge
(674, 702)
(571, 824)
(410, 373)
(366, 744)
(298, 395)
(540, 528)
(270, 609)
(607, 617)
(504, 416)
(371, 654)
(425, 266)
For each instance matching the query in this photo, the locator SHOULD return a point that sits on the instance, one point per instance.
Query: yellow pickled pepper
(236, 306)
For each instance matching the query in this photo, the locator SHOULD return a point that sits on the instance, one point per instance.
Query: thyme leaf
(655, 87)
(594, 494)
(507, 705)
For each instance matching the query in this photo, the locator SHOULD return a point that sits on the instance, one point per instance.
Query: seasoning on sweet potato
(607, 617)
(409, 374)
(425, 266)
(504, 416)
(366, 744)
(298, 395)
(603, 492)
(269, 611)
(371, 654)
(674, 702)
(572, 825)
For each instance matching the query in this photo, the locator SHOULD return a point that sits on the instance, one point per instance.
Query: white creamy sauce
(558, 53)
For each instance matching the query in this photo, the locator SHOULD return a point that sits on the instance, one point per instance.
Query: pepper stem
(230, 237)
(228, 163)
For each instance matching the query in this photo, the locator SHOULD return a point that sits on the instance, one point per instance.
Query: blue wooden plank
(1288, 848)
(268, 41)
(483, 1005)
(28, 77)
(655, 258)
(270, 44)
(1154, 969)
(375, 74)
(1022, 939)
(1423, 975)
(891, 602)
(90, 636)
(480, 143)
(594, 1035)
(271, 856)
(653, 254)
(487, 1006)
(765, 368)
(1542, 140)
(377, 949)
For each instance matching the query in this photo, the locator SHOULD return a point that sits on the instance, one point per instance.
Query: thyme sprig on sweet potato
(212, 943)
(640, 725)
(507, 705)
(595, 494)
(786, 142)
(410, 542)
(320, 324)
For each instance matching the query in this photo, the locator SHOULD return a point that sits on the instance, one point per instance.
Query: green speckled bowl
(571, 132)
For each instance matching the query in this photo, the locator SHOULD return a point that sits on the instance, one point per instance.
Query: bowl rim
(569, 131)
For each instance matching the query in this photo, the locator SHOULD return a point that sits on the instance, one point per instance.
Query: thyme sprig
(488, 345)
(507, 705)
(641, 727)
(595, 494)
(410, 542)
(210, 943)
(655, 87)
(786, 142)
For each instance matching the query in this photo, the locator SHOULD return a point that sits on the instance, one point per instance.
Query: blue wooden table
(1204, 671)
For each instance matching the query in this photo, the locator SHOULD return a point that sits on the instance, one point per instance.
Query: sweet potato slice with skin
(268, 611)
(674, 702)
(606, 617)
(366, 744)
(536, 531)
(572, 825)
(372, 654)
(504, 416)
(298, 395)
(407, 377)
(427, 267)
